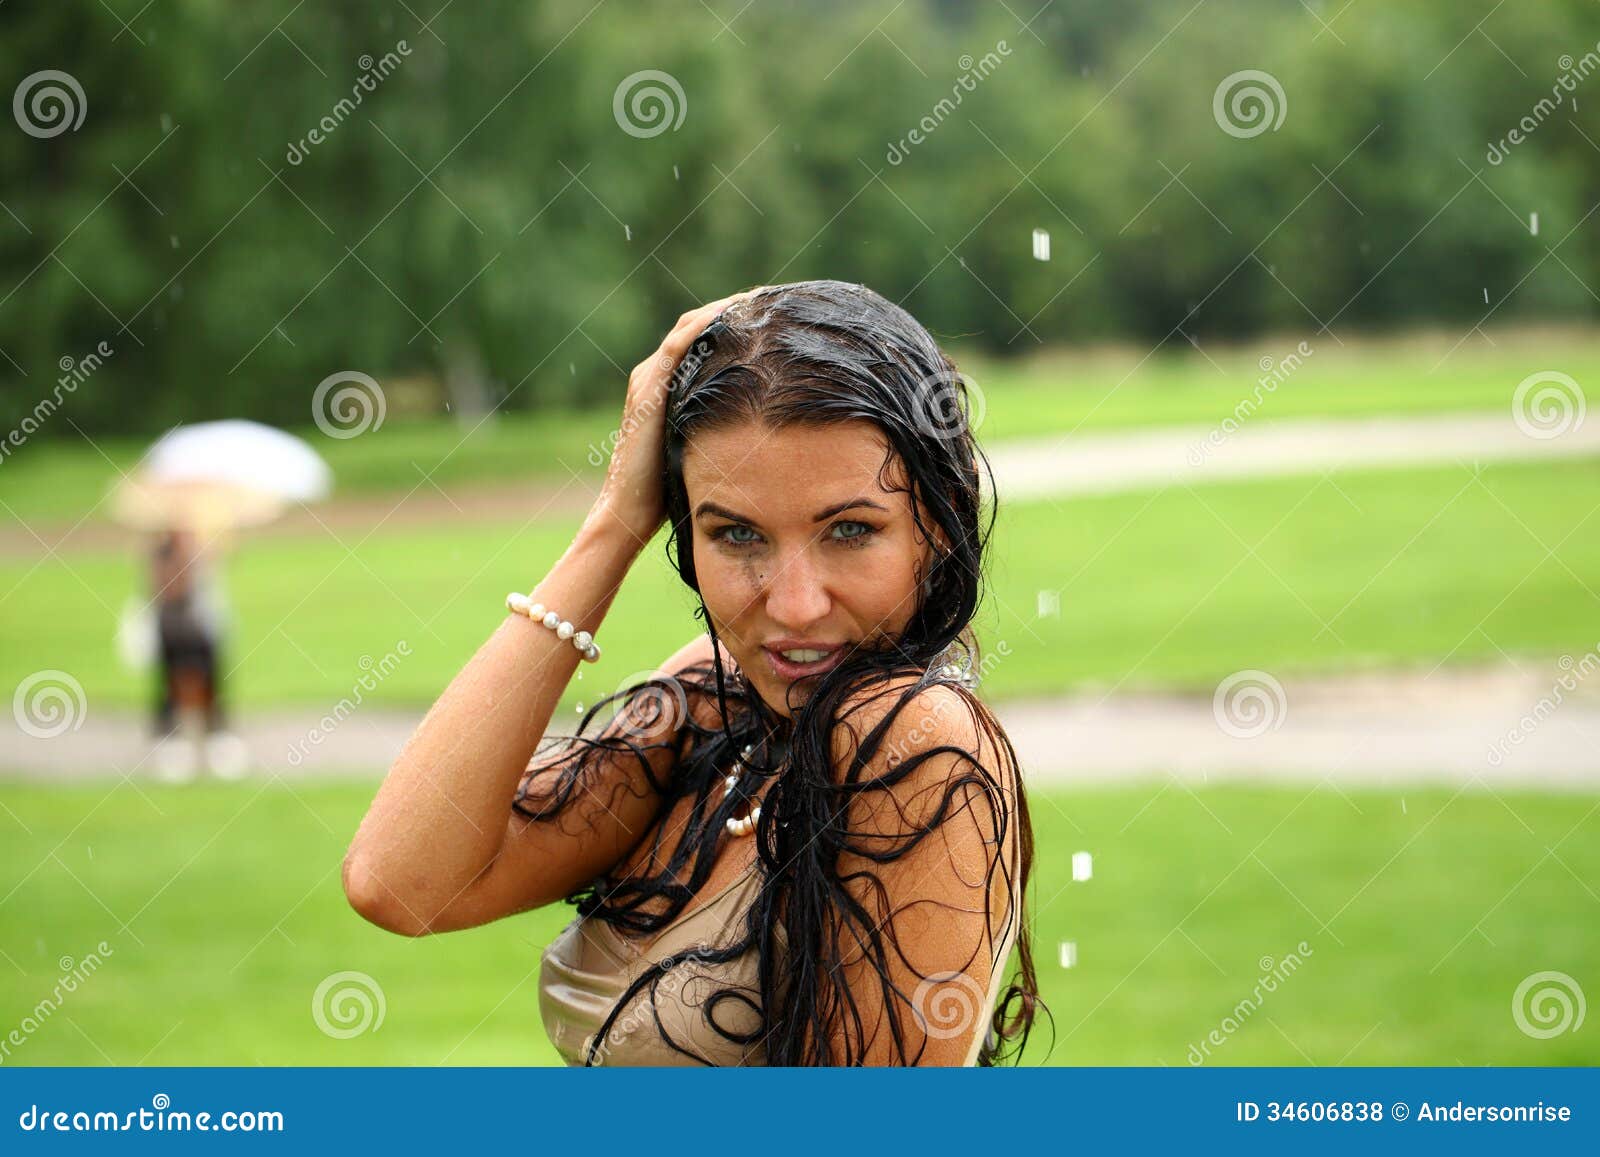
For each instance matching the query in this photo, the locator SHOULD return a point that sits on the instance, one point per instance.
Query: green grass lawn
(1422, 913)
(1408, 373)
(1177, 588)
(1060, 390)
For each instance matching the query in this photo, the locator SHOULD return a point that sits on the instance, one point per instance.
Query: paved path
(1383, 730)
(1151, 458)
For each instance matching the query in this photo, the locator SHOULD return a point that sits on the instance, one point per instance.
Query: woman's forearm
(440, 816)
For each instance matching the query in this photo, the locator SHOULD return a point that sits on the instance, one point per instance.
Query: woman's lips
(785, 669)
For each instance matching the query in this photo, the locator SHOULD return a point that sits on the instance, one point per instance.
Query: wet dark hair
(818, 353)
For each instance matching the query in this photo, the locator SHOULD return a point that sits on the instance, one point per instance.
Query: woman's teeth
(805, 656)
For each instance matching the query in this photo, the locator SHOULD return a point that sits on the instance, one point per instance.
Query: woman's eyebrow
(822, 515)
(850, 504)
(713, 508)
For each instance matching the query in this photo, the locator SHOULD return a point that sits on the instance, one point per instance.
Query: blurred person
(804, 840)
(190, 625)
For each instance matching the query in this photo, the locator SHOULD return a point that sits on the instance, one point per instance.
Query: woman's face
(800, 551)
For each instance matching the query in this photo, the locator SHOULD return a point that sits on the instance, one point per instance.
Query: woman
(804, 840)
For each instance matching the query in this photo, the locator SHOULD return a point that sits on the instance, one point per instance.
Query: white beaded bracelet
(520, 604)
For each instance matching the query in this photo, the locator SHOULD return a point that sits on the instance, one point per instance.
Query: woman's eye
(854, 533)
(733, 535)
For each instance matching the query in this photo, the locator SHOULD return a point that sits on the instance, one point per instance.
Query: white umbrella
(221, 474)
(244, 454)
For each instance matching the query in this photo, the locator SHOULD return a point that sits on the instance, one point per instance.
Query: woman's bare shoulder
(942, 728)
(693, 673)
(694, 654)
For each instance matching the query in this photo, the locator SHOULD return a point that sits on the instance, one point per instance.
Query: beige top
(588, 967)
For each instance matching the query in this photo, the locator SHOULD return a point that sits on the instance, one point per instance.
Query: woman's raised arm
(437, 850)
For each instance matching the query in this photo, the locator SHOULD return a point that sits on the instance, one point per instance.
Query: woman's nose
(797, 595)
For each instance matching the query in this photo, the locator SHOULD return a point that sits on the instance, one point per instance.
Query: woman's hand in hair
(632, 491)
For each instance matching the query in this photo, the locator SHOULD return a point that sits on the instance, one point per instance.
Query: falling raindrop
(1486, 295)
(1069, 953)
(1041, 245)
(627, 232)
(674, 172)
(580, 707)
(1402, 805)
(573, 366)
(1082, 866)
(173, 237)
(1533, 224)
